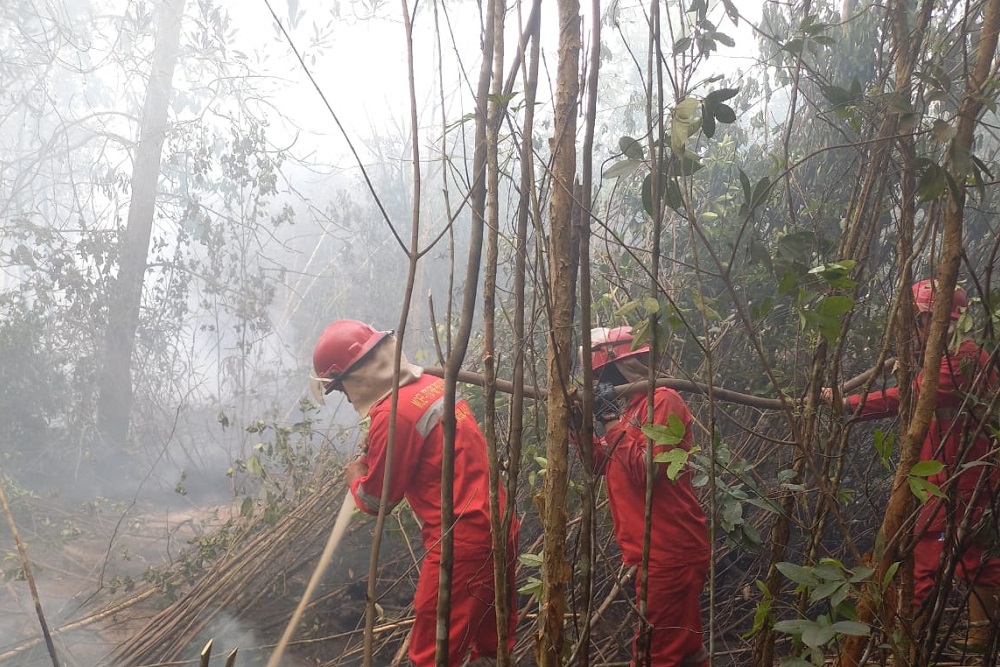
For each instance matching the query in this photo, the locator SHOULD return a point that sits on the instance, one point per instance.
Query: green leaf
(942, 131)
(682, 123)
(851, 628)
(725, 113)
(837, 95)
(673, 196)
(835, 306)
(682, 44)
(533, 588)
(670, 434)
(745, 184)
(631, 148)
(890, 574)
(884, 447)
(825, 590)
(829, 571)
(788, 282)
(732, 12)
(676, 460)
(817, 636)
(793, 45)
(724, 39)
(647, 195)
(932, 183)
(759, 255)
(625, 167)
(760, 191)
(708, 121)
(794, 627)
(926, 468)
(531, 560)
(254, 467)
(861, 572)
(760, 616)
(721, 95)
(836, 274)
(687, 163)
(798, 574)
(923, 489)
(704, 307)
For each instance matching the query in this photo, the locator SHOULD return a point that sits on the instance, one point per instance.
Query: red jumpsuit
(679, 552)
(416, 476)
(963, 373)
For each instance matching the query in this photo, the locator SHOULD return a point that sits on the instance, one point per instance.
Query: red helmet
(342, 345)
(923, 296)
(607, 345)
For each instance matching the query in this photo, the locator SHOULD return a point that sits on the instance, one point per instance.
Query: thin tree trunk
(456, 354)
(413, 256)
(115, 380)
(586, 435)
(555, 570)
(530, 75)
(499, 536)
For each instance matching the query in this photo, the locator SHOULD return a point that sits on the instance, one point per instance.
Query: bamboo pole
(26, 567)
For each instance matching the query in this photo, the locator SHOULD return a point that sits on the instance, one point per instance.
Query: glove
(606, 406)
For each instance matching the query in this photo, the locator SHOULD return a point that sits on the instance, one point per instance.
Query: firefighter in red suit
(967, 382)
(356, 359)
(679, 550)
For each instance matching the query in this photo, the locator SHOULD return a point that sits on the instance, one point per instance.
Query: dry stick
(82, 623)
(26, 566)
(324, 560)
(206, 654)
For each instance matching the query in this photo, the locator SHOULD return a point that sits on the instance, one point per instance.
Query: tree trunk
(499, 529)
(115, 380)
(555, 570)
(456, 354)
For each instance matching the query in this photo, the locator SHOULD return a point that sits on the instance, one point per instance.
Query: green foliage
(670, 434)
(533, 583)
(920, 486)
(833, 586)
(736, 491)
(884, 443)
(281, 468)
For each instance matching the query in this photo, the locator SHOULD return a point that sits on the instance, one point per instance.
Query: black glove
(606, 406)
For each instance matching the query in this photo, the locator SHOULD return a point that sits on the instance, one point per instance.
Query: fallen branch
(26, 567)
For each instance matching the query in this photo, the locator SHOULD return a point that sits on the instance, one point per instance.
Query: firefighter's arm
(366, 473)
(356, 469)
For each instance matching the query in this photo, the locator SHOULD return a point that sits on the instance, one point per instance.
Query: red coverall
(678, 552)
(416, 476)
(963, 372)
